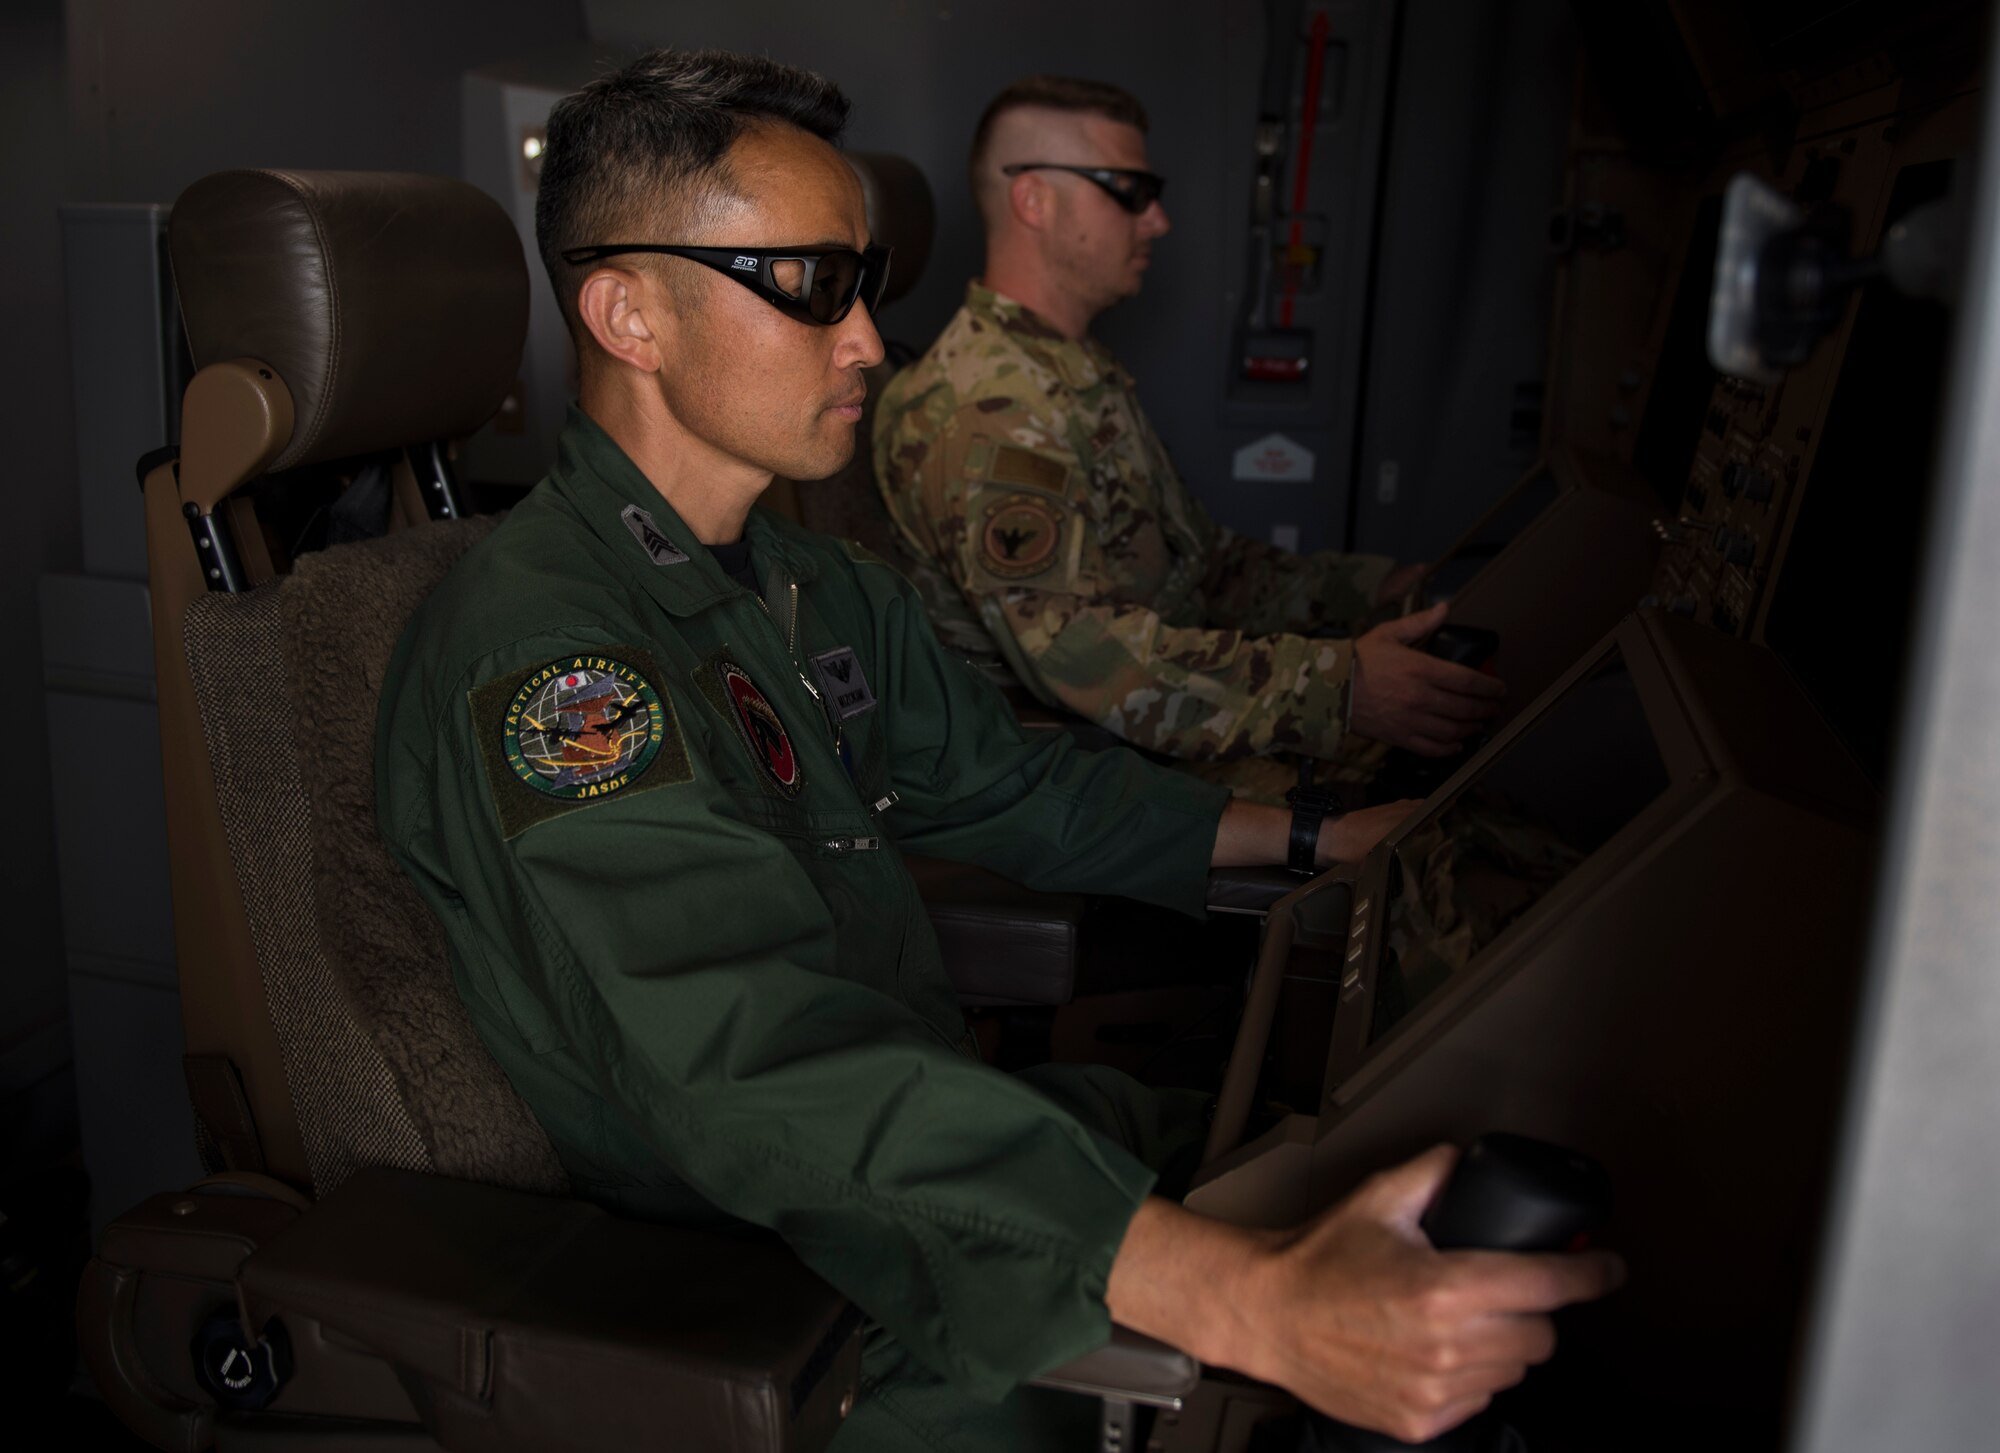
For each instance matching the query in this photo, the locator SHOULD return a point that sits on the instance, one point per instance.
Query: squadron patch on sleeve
(1019, 536)
(842, 682)
(573, 732)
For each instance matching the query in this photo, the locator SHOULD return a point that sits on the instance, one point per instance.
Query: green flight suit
(660, 820)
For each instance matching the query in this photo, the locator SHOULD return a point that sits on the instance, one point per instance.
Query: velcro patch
(662, 550)
(1011, 464)
(842, 683)
(1019, 536)
(744, 706)
(576, 731)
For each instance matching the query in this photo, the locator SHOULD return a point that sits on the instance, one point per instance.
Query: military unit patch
(758, 719)
(575, 731)
(842, 683)
(1019, 537)
(662, 550)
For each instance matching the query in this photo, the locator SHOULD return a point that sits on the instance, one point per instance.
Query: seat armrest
(525, 1322)
(1002, 944)
(1130, 1368)
(1250, 890)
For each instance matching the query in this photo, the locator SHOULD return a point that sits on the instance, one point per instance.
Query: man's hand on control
(1353, 1312)
(1409, 699)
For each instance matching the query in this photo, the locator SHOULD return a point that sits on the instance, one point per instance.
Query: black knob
(239, 1371)
(1515, 1193)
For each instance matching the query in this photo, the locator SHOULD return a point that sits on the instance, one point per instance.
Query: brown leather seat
(353, 322)
(383, 1253)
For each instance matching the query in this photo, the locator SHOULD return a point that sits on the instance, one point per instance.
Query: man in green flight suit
(1015, 456)
(653, 756)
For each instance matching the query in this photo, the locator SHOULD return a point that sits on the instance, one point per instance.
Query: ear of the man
(1029, 197)
(627, 315)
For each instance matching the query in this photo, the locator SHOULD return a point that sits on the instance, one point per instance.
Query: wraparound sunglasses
(1133, 190)
(813, 284)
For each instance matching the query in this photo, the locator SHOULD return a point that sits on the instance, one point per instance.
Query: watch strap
(1310, 807)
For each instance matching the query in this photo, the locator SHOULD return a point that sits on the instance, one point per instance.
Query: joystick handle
(1462, 645)
(1515, 1193)
(1507, 1193)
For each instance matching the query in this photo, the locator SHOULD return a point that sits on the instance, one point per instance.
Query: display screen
(1515, 513)
(1586, 767)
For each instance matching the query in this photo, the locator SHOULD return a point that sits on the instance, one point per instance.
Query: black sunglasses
(1135, 191)
(812, 284)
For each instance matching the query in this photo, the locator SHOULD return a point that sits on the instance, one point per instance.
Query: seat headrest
(900, 213)
(393, 306)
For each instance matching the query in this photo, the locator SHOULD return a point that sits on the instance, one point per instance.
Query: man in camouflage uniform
(1015, 455)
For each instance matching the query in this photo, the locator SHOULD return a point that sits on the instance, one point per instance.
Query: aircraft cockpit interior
(1651, 345)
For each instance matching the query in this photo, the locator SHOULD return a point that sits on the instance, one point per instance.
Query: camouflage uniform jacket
(1023, 463)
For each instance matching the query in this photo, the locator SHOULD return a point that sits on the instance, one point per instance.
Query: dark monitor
(1516, 510)
(1480, 861)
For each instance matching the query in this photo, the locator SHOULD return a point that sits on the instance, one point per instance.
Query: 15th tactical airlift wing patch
(576, 731)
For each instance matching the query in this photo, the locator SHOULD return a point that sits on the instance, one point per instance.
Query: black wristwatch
(1310, 806)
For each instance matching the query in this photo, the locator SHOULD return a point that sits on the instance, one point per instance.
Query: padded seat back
(382, 1061)
(344, 322)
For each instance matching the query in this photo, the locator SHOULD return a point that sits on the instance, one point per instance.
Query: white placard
(1274, 457)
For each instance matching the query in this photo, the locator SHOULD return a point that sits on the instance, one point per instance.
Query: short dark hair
(1057, 93)
(646, 148)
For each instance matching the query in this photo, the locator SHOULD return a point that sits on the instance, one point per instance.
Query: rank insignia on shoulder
(1019, 536)
(656, 545)
(758, 720)
(842, 683)
(573, 732)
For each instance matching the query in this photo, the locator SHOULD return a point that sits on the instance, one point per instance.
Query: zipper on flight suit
(790, 631)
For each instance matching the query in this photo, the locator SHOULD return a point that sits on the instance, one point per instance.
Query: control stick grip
(1515, 1193)
(1507, 1193)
